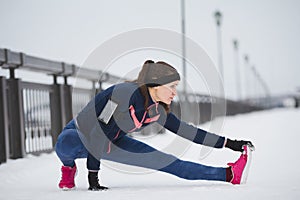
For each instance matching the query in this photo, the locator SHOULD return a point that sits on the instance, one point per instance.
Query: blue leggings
(129, 151)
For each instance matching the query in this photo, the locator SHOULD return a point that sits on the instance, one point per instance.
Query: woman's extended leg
(133, 152)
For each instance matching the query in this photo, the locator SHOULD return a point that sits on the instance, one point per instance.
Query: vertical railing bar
(39, 113)
(37, 120)
(43, 119)
(47, 122)
(42, 138)
(33, 123)
(48, 125)
(26, 117)
(29, 124)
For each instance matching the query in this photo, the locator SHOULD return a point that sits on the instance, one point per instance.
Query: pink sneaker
(67, 178)
(238, 167)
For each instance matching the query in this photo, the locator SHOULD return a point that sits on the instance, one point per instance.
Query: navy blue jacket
(96, 134)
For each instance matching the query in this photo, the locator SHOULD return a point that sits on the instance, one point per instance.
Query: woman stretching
(100, 130)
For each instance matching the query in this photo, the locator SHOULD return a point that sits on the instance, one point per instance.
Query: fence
(33, 114)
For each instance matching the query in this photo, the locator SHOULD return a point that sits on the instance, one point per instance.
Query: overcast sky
(69, 30)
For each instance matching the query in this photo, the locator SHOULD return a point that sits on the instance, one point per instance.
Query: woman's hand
(237, 145)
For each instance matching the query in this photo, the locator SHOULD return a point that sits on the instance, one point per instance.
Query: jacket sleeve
(199, 136)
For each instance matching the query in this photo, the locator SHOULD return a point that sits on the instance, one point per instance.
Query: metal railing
(37, 117)
(33, 114)
(80, 97)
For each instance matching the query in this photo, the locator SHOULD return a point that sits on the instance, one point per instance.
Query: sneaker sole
(247, 167)
(67, 189)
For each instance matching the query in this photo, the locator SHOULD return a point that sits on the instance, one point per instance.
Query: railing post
(61, 108)
(4, 142)
(56, 113)
(16, 119)
(67, 102)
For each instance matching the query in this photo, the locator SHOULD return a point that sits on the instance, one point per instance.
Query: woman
(99, 131)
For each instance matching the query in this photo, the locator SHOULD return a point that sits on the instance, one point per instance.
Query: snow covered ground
(274, 172)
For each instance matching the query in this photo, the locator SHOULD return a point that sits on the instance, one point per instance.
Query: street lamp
(238, 75)
(260, 82)
(247, 74)
(218, 17)
(255, 83)
(183, 45)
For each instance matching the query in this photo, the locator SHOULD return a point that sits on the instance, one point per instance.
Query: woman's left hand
(237, 145)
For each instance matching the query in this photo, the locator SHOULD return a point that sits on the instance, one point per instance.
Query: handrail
(41, 65)
(13, 60)
(2, 57)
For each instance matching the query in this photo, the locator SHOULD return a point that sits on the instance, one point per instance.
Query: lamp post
(255, 83)
(238, 75)
(183, 45)
(218, 18)
(264, 86)
(247, 74)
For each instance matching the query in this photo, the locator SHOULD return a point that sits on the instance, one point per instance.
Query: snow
(274, 173)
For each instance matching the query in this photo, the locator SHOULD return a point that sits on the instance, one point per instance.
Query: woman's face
(166, 93)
